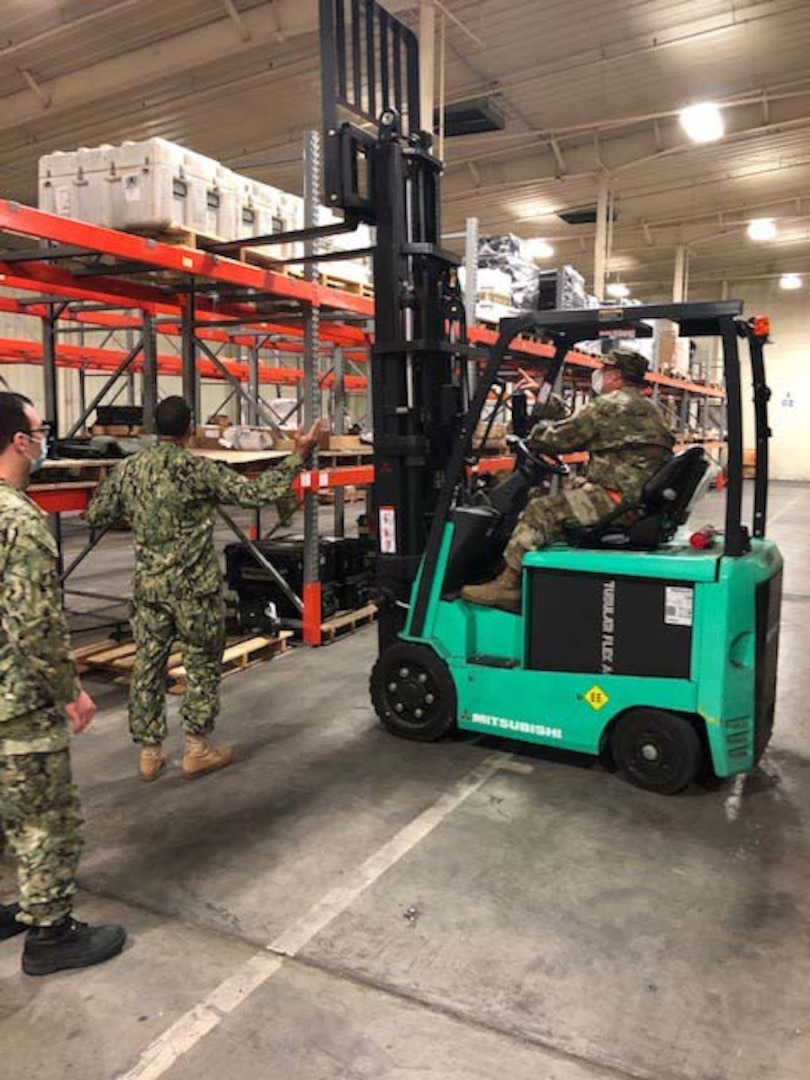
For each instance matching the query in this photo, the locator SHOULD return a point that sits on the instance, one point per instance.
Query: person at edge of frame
(40, 814)
(170, 495)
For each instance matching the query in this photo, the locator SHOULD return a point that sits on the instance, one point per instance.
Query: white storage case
(153, 184)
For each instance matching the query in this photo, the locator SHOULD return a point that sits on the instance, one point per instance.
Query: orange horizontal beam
(19, 351)
(26, 221)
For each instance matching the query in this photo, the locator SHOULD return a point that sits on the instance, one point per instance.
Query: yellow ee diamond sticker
(596, 698)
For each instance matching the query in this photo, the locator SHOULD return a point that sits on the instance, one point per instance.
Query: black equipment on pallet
(119, 415)
(345, 572)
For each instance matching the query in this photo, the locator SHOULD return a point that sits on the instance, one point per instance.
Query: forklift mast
(378, 168)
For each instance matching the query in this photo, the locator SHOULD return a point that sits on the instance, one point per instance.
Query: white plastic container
(63, 189)
(153, 184)
(140, 185)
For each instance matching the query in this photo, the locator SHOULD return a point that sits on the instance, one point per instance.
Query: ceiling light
(790, 281)
(761, 229)
(539, 249)
(617, 290)
(703, 122)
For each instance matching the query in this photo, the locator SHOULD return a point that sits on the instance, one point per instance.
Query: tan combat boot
(503, 592)
(152, 762)
(199, 758)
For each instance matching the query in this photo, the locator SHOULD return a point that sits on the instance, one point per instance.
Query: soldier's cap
(632, 365)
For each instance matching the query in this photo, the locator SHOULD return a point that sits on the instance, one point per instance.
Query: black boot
(8, 921)
(70, 944)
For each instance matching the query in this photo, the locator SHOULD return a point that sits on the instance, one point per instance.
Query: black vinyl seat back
(672, 488)
(664, 506)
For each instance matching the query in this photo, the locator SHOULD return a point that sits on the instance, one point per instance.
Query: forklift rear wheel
(656, 750)
(413, 692)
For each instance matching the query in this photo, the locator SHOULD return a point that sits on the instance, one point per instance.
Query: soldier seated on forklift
(627, 439)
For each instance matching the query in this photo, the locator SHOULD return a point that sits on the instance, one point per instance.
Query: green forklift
(633, 644)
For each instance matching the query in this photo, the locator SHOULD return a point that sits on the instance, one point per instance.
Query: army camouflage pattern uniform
(170, 496)
(39, 805)
(627, 440)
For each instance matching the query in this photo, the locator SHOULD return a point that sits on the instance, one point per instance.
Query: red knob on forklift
(703, 538)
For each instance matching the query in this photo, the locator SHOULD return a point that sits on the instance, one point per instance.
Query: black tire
(413, 692)
(656, 750)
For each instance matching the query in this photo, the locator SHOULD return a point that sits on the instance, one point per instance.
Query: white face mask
(597, 381)
(42, 444)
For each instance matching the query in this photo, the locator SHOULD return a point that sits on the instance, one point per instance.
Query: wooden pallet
(348, 623)
(118, 659)
(177, 237)
(237, 657)
(351, 494)
(356, 288)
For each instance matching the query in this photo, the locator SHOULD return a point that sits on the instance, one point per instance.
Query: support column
(681, 276)
(427, 62)
(339, 398)
(471, 293)
(149, 394)
(51, 398)
(83, 391)
(312, 585)
(51, 384)
(253, 383)
(191, 383)
(600, 253)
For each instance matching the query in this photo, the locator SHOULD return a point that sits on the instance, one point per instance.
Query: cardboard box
(123, 431)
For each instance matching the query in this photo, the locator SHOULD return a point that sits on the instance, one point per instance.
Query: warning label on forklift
(596, 698)
(678, 603)
(388, 530)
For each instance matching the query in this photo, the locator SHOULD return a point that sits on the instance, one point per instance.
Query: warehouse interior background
(343, 903)
(589, 97)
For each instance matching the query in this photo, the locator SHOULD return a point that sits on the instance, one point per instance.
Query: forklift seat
(666, 500)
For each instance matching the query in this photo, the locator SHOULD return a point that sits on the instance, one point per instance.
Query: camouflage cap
(632, 365)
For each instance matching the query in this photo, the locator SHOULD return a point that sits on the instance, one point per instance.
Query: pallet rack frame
(87, 276)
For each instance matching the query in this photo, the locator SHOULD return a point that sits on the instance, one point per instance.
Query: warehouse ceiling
(588, 90)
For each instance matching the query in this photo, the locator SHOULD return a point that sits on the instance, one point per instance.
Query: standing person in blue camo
(627, 440)
(40, 814)
(169, 495)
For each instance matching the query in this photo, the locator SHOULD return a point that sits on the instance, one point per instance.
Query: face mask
(597, 381)
(36, 463)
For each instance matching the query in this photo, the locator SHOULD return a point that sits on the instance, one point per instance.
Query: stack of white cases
(157, 185)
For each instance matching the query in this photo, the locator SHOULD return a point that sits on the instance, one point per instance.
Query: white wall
(787, 363)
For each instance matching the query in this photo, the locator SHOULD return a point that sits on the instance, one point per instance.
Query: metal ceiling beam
(42, 95)
(236, 19)
(136, 70)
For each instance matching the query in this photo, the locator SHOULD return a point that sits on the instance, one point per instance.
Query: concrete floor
(345, 905)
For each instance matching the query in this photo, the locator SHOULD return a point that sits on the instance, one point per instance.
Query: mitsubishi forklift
(633, 644)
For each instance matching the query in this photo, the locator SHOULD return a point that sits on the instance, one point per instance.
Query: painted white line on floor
(785, 509)
(733, 803)
(522, 767)
(199, 1021)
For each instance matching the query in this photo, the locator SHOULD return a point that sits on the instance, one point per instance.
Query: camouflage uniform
(170, 497)
(39, 805)
(627, 440)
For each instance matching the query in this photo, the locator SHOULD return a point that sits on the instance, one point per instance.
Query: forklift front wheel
(656, 750)
(413, 692)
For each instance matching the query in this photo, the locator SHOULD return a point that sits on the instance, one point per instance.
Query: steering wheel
(529, 459)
